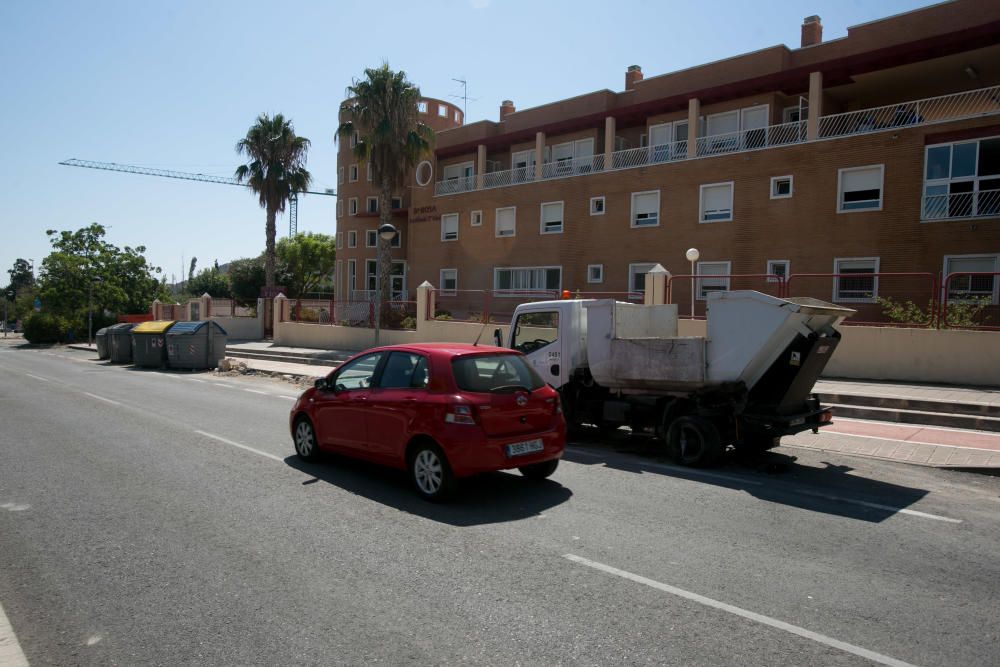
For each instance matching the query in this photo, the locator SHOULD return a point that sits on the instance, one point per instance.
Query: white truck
(746, 384)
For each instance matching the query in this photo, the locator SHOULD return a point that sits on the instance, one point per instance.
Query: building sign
(423, 213)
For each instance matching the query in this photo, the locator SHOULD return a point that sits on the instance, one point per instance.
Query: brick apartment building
(878, 152)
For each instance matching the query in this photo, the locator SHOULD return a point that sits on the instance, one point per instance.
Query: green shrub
(441, 314)
(408, 322)
(46, 328)
(964, 313)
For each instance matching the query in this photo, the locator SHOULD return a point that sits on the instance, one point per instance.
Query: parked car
(441, 411)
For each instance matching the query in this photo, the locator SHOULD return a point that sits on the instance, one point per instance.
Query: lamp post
(90, 308)
(692, 256)
(9, 296)
(386, 233)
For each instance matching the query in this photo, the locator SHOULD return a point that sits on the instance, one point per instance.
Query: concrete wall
(242, 328)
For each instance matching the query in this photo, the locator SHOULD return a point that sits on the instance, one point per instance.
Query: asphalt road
(161, 518)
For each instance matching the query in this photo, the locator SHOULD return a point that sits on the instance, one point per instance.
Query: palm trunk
(269, 248)
(385, 217)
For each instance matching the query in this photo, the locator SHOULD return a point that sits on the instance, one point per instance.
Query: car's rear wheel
(304, 437)
(540, 470)
(430, 473)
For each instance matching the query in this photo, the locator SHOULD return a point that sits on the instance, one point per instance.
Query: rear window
(495, 373)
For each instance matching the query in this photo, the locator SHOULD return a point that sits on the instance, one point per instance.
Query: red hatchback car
(439, 410)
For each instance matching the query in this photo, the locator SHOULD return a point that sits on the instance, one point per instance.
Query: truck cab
(553, 337)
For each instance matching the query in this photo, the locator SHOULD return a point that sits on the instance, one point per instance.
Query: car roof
(446, 349)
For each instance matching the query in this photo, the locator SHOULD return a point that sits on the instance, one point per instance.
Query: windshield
(495, 373)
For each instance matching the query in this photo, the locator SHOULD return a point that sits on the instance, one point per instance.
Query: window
(458, 116)
(566, 155)
(371, 275)
(352, 206)
(781, 187)
(552, 218)
(522, 164)
(352, 239)
(716, 280)
(449, 227)
(340, 208)
(371, 205)
(354, 139)
(448, 280)
(597, 205)
(352, 173)
(368, 171)
(340, 175)
(340, 240)
(533, 331)
(510, 281)
(371, 238)
(968, 287)
(442, 111)
(962, 179)
(404, 370)
(795, 114)
(397, 203)
(646, 208)
(637, 277)
(397, 240)
(476, 218)
(484, 373)
(779, 268)
(851, 284)
(595, 273)
(352, 278)
(453, 172)
(860, 189)
(422, 106)
(357, 374)
(716, 202)
(506, 224)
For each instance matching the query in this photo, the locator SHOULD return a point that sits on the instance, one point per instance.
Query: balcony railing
(958, 106)
(962, 205)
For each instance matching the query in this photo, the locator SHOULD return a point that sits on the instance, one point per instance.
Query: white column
(694, 111)
(815, 105)
(539, 154)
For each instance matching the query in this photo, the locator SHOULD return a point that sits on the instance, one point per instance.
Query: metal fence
(882, 299)
(230, 308)
(357, 313)
(970, 301)
(482, 306)
(680, 289)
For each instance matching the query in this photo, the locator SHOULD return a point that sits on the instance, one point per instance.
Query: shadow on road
(483, 499)
(773, 477)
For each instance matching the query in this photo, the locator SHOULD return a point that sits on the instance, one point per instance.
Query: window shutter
(718, 198)
(862, 179)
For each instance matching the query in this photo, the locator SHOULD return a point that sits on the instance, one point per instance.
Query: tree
(194, 264)
(211, 282)
(383, 111)
(276, 170)
(309, 260)
(21, 276)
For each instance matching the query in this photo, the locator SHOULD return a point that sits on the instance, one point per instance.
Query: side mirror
(320, 384)
(498, 337)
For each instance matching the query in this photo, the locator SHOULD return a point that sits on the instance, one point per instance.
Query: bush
(965, 313)
(441, 314)
(46, 328)
(408, 322)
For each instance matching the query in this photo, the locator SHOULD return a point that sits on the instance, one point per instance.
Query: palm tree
(382, 109)
(275, 171)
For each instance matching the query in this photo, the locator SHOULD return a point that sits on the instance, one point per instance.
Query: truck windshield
(494, 373)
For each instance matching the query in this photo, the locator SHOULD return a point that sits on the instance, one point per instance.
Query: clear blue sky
(175, 84)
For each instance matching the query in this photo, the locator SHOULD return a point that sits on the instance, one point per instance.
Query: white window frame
(791, 187)
(442, 290)
(352, 239)
(442, 111)
(700, 293)
(393, 201)
(600, 275)
(354, 139)
(369, 235)
(836, 298)
(541, 218)
(515, 292)
(840, 188)
(397, 240)
(604, 205)
(496, 223)
(340, 175)
(974, 180)
(775, 262)
(632, 218)
(422, 106)
(352, 278)
(634, 269)
(352, 173)
(476, 219)
(340, 240)
(352, 206)
(701, 201)
(368, 171)
(444, 234)
(368, 204)
(975, 255)
(340, 208)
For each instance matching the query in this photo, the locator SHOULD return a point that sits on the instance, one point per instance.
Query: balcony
(961, 205)
(892, 117)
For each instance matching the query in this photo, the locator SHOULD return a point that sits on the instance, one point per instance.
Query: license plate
(522, 448)
(798, 421)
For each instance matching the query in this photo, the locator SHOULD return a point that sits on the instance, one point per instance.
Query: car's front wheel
(304, 437)
(430, 473)
(540, 470)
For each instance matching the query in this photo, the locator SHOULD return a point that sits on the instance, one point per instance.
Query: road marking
(673, 469)
(11, 654)
(291, 398)
(101, 398)
(878, 506)
(901, 441)
(919, 427)
(198, 380)
(223, 384)
(236, 444)
(37, 377)
(254, 391)
(15, 507)
(738, 611)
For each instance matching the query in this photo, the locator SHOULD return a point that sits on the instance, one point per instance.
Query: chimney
(812, 31)
(506, 107)
(633, 75)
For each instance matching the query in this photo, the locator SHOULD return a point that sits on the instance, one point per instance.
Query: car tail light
(556, 403)
(826, 416)
(460, 414)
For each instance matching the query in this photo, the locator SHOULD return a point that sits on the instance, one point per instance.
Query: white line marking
(738, 611)
(236, 444)
(919, 427)
(198, 380)
(878, 506)
(679, 471)
(101, 398)
(37, 377)
(291, 398)
(223, 384)
(912, 442)
(11, 654)
(254, 391)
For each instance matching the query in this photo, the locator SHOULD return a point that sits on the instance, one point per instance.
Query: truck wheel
(694, 441)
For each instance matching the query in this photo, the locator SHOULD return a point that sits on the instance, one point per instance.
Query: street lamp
(386, 234)
(90, 308)
(9, 296)
(692, 256)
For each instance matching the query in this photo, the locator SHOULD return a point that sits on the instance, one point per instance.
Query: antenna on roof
(464, 96)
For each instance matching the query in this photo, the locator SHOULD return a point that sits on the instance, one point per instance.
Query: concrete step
(916, 417)
(918, 404)
(288, 357)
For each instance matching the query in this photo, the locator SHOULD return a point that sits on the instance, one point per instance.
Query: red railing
(488, 306)
(679, 289)
(399, 314)
(970, 301)
(881, 299)
(230, 308)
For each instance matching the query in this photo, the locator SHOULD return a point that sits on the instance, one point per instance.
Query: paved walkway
(974, 395)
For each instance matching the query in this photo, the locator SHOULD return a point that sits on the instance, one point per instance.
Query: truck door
(536, 335)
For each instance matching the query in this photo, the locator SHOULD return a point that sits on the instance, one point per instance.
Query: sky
(174, 85)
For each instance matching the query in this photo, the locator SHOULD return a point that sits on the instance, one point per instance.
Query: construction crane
(293, 201)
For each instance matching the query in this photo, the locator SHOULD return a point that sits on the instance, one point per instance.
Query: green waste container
(101, 338)
(196, 345)
(149, 343)
(120, 343)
